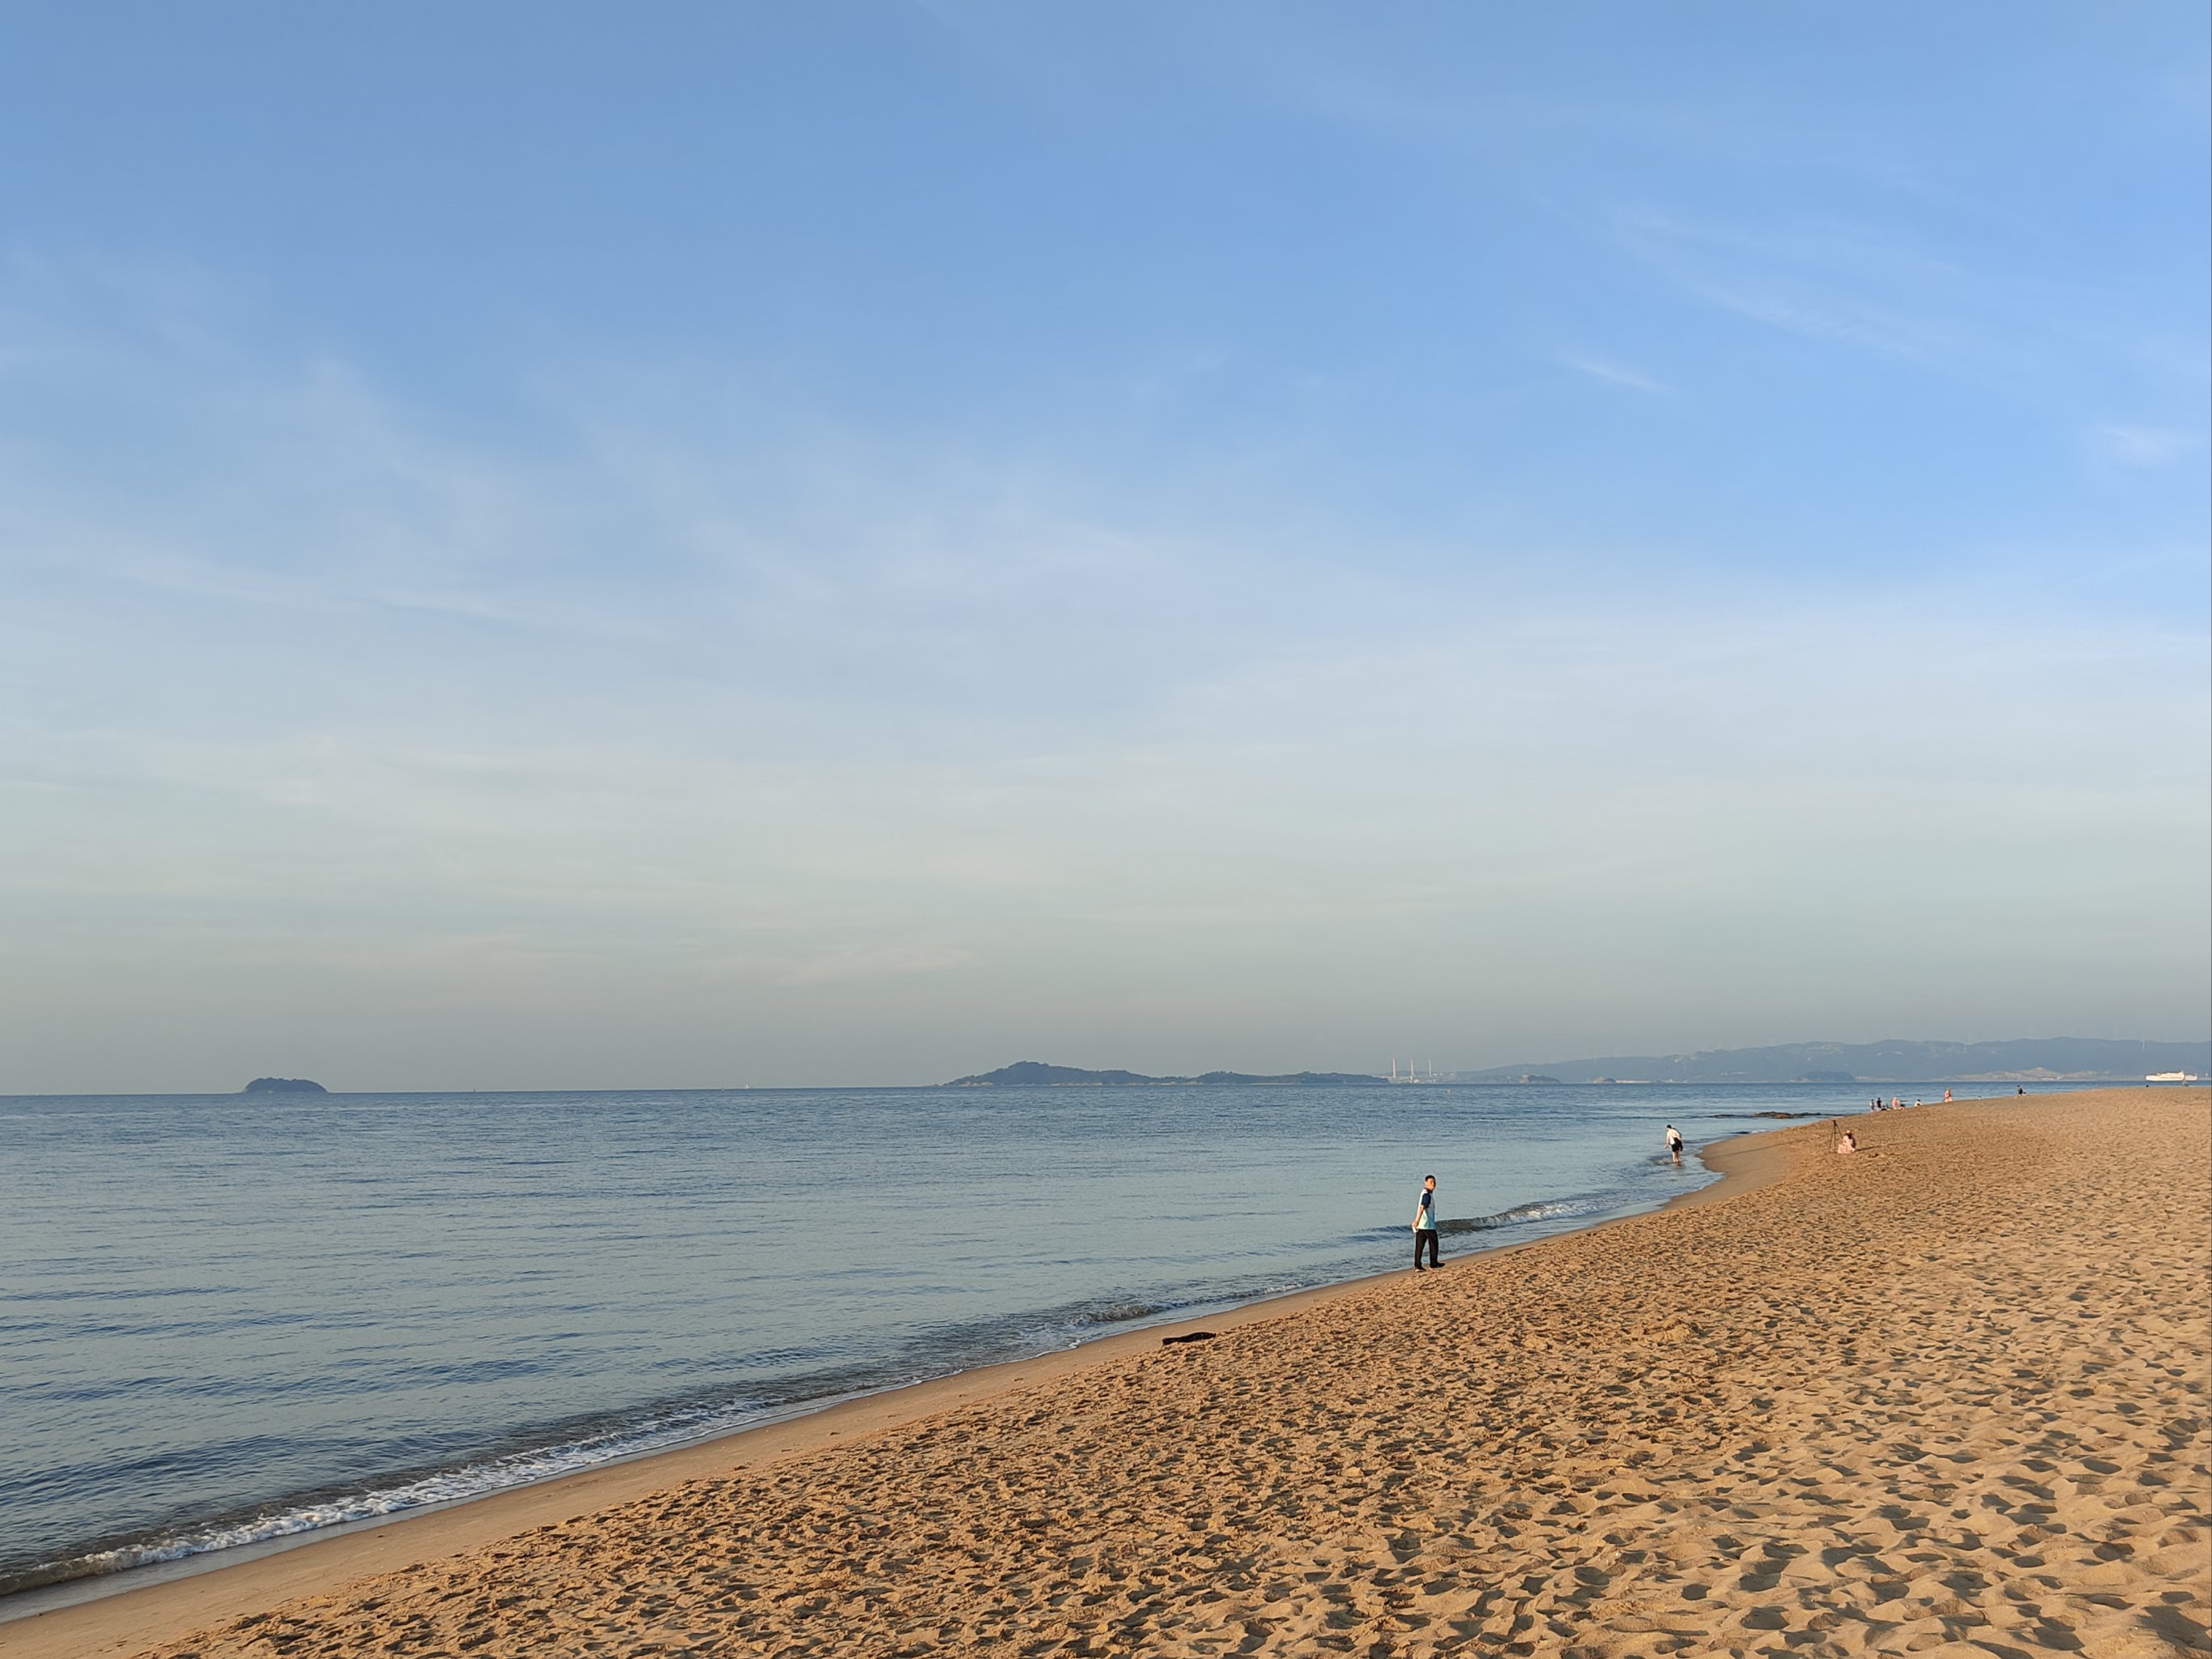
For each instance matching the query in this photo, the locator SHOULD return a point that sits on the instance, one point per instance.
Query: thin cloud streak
(2143, 446)
(1599, 368)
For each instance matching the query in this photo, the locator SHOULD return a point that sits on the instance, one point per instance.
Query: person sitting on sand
(1850, 1143)
(1425, 1223)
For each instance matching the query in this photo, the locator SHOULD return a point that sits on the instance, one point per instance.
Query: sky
(589, 546)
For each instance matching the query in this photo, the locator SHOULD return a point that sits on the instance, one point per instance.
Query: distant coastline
(2034, 1060)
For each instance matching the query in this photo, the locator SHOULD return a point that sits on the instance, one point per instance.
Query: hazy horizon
(778, 547)
(1421, 1063)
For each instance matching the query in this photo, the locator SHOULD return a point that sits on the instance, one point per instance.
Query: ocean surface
(225, 1320)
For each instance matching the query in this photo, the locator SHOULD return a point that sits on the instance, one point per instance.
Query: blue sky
(574, 545)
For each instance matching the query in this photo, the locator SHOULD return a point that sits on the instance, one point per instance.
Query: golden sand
(1948, 1396)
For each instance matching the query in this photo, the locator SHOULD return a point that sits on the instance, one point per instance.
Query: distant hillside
(2049, 1059)
(1033, 1073)
(283, 1086)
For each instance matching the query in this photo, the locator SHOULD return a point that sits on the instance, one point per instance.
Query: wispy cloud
(1846, 284)
(1619, 374)
(2143, 446)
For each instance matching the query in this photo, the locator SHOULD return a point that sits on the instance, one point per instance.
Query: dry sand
(1948, 1395)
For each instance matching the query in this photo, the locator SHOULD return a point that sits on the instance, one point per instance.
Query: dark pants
(1425, 1236)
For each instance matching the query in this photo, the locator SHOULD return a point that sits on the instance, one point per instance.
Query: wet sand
(1947, 1394)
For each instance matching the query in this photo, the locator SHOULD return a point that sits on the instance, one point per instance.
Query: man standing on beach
(1425, 1223)
(1673, 1143)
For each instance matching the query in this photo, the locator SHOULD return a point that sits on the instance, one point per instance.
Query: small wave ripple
(1578, 1207)
(475, 1479)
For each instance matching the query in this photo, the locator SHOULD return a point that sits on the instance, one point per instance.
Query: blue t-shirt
(1425, 1211)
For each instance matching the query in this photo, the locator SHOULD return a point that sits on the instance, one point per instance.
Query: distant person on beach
(1425, 1223)
(1947, 1096)
(1673, 1143)
(1850, 1143)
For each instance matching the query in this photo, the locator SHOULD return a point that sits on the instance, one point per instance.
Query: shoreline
(1948, 1395)
(112, 1614)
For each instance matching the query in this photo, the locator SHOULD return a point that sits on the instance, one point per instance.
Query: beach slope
(1948, 1395)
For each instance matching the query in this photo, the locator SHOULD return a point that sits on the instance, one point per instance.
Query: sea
(226, 1320)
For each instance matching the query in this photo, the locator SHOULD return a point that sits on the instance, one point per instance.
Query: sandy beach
(1946, 1395)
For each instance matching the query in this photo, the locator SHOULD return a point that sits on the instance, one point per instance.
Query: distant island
(283, 1086)
(1035, 1073)
(2036, 1059)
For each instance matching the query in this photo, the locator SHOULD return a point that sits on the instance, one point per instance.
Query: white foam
(446, 1486)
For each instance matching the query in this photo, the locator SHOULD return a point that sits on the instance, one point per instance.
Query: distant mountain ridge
(1035, 1073)
(2027, 1060)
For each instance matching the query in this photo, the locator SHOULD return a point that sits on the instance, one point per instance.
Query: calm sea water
(227, 1319)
